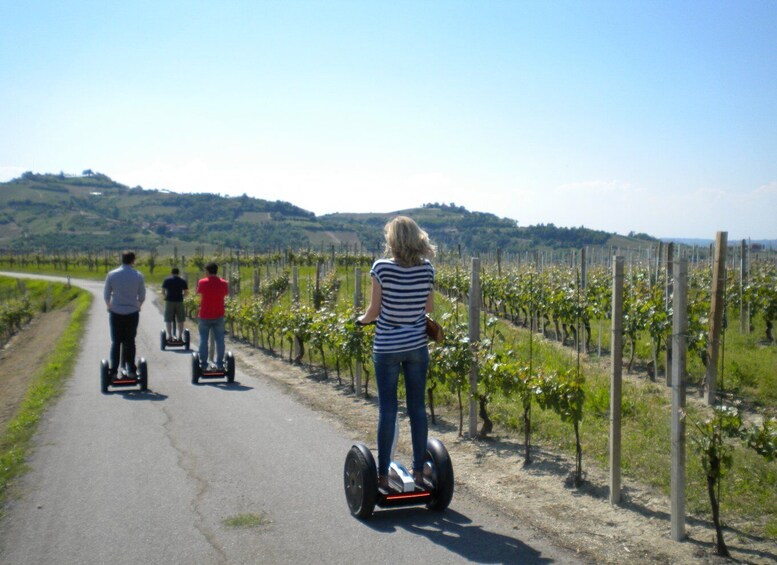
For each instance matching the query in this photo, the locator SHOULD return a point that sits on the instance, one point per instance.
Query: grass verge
(246, 521)
(47, 384)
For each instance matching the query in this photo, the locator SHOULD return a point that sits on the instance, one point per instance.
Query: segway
(164, 343)
(211, 371)
(175, 341)
(361, 481)
(123, 377)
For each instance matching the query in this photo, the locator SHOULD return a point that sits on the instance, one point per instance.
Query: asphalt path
(153, 477)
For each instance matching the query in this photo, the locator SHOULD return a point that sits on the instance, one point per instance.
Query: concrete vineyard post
(295, 300)
(357, 302)
(744, 308)
(679, 330)
(616, 380)
(716, 314)
(667, 303)
(474, 337)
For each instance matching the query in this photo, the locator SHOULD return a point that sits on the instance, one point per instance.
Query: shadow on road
(458, 534)
(140, 395)
(221, 385)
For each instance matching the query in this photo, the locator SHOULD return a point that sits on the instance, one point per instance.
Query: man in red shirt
(212, 290)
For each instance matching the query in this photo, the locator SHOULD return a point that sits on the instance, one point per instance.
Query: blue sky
(656, 117)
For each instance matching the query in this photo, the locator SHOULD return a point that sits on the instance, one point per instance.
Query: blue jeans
(413, 365)
(205, 326)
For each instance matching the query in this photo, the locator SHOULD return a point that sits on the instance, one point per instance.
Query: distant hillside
(55, 211)
(93, 212)
(453, 226)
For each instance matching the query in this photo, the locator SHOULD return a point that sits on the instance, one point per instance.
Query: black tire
(143, 374)
(230, 366)
(186, 340)
(163, 340)
(195, 368)
(105, 376)
(360, 478)
(441, 476)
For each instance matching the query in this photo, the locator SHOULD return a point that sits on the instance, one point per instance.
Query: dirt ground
(638, 531)
(24, 354)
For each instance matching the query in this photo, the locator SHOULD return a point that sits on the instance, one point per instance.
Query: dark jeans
(413, 365)
(124, 328)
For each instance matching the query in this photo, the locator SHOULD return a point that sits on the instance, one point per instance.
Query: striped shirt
(404, 290)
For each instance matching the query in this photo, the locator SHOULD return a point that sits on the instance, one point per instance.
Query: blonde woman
(401, 296)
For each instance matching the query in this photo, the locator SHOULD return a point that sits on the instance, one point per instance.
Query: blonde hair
(407, 243)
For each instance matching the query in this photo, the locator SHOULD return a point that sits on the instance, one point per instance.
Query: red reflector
(407, 495)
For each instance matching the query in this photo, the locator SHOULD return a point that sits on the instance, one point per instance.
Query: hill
(93, 212)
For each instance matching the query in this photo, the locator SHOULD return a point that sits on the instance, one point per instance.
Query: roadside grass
(47, 384)
(42, 294)
(748, 367)
(247, 521)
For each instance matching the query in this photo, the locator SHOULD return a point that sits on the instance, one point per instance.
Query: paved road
(147, 478)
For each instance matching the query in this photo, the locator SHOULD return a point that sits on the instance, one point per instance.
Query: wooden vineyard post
(616, 381)
(667, 303)
(257, 279)
(716, 314)
(474, 337)
(357, 302)
(744, 308)
(679, 330)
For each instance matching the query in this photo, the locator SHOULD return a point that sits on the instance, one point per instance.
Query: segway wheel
(195, 368)
(186, 339)
(163, 340)
(230, 365)
(105, 376)
(439, 461)
(361, 481)
(143, 374)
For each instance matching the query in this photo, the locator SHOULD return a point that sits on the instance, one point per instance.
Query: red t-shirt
(213, 289)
